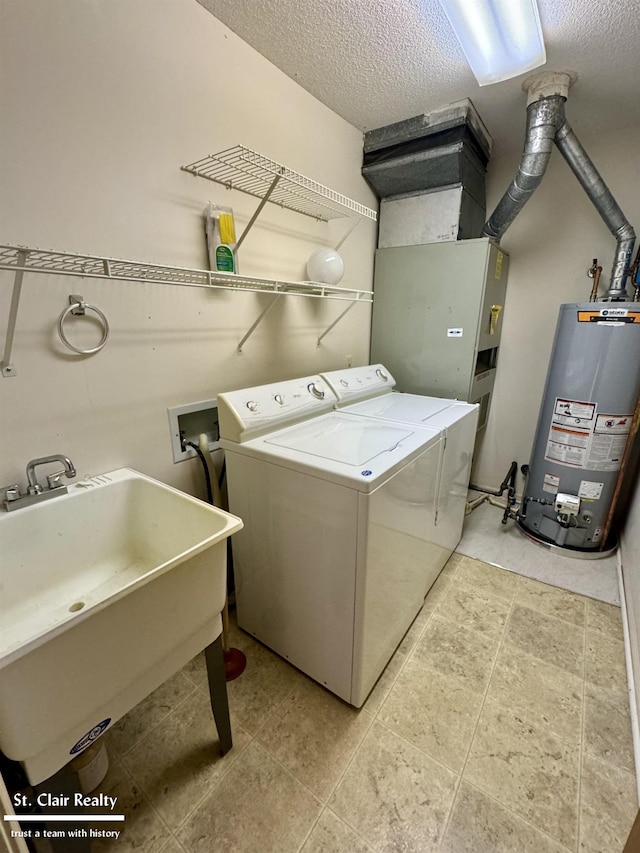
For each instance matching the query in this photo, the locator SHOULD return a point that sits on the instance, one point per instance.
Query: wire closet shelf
(235, 168)
(242, 169)
(33, 260)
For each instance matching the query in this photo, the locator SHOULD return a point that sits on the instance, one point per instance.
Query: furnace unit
(437, 318)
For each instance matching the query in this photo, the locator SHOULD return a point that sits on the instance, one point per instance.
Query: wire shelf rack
(22, 259)
(32, 260)
(242, 169)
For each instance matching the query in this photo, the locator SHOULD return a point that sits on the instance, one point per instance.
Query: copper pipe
(594, 272)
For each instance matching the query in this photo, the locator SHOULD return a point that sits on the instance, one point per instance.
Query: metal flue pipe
(606, 205)
(543, 119)
(546, 124)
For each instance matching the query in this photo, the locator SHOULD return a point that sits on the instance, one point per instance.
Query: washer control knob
(381, 375)
(344, 383)
(318, 393)
(252, 406)
(279, 399)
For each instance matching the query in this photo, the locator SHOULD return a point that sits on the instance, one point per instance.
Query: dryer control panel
(252, 412)
(357, 383)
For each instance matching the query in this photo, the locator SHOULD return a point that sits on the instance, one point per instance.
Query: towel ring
(78, 306)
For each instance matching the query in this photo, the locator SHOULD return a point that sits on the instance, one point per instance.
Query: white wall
(101, 103)
(630, 558)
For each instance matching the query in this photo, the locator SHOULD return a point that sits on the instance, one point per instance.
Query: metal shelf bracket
(335, 323)
(259, 320)
(257, 213)
(8, 368)
(347, 233)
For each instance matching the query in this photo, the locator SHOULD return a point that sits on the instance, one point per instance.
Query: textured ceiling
(375, 62)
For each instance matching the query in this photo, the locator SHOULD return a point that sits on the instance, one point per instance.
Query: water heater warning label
(573, 413)
(613, 424)
(608, 442)
(567, 446)
(590, 490)
(579, 437)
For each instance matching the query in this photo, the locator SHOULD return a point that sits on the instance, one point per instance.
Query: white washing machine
(368, 392)
(339, 541)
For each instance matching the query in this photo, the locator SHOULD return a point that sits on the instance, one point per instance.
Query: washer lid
(352, 441)
(360, 453)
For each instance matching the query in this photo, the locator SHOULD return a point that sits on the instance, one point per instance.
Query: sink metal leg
(218, 692)
(65, 783)
(62, 784)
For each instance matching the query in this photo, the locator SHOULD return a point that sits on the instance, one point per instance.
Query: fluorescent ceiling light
(500, 38)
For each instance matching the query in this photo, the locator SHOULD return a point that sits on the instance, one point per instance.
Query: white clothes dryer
(330, 566)
(368, 392)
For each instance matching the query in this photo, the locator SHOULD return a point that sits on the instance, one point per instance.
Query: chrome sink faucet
(34, 488)
(15, 499)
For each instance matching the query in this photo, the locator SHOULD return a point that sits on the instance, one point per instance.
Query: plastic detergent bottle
(221, 238)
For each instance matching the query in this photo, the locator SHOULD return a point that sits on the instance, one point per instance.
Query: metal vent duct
(429, 169)
(547, 124)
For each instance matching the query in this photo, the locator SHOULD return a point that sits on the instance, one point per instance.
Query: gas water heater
(587, 411)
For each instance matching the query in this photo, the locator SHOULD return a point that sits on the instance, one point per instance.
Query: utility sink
(105, 592)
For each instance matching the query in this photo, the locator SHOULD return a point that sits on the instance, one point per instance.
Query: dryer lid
(408, 408)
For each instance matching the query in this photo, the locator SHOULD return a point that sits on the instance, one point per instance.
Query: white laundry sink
(104, 593)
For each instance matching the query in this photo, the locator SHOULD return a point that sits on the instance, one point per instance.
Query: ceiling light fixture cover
(500, 38)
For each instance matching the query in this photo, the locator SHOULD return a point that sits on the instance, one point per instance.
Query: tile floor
(501, 725)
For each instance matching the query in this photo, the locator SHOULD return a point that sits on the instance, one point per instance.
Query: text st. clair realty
(49, 800)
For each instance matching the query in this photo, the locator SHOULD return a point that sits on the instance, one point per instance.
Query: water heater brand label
(454, 333)
(619, 315)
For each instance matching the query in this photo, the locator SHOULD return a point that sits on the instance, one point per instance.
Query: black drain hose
(207, 476)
